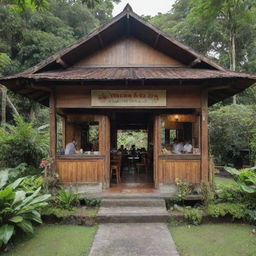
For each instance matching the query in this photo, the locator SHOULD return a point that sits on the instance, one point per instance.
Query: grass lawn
(56, 240)
(224, 181)
(214, 240)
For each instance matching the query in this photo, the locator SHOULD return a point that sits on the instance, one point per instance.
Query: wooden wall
(126, 52)
(86, 169)
(177, 96)
(184, 170)
(80, 170)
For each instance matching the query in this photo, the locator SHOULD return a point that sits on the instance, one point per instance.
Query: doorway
(131, 149)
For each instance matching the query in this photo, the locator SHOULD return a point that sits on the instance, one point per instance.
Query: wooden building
(127, 74)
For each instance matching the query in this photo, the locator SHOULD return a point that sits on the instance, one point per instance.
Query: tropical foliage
(21, 143)
(18, 210)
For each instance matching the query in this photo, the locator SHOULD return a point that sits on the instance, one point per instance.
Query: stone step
(132, 214)
(133, 202)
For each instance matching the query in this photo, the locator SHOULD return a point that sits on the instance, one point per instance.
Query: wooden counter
(80, 168)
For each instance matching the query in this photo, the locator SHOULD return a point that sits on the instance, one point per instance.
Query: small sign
(128, 98)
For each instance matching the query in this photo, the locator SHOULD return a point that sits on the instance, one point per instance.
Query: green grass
(56, 240)
(214, 240)
(224, 181)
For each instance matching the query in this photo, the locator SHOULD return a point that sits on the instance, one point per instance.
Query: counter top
(181, 156)
(79, 156)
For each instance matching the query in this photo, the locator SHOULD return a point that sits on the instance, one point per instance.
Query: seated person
(177, 147)
(121, 149)
(187, 148)
(133, 150)
(71, 147)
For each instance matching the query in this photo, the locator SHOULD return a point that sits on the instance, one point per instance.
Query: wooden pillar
(204, 136)
(157, 145)
(53, 127)
(63, 123)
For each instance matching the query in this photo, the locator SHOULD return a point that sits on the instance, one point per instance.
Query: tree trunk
(3, 107)
(12, 106)
(233, 57)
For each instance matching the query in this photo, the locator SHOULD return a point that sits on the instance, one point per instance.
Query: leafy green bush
(185, 189)
(31, 183)
(59, 213)
(230, 129)
(91, 202)
(235, 210)
(229, 193)
(193, 215)
(251, 216)
(207, 193)
(21, 143)
(246, 181)
(66, 199)
(18, 210)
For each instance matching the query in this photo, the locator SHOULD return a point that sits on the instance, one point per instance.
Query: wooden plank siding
(80, 170)
(176, 96)
(128, 52)
(185, 170)
(86, 169)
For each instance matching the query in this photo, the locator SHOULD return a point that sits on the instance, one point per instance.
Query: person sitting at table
(121, 149)
(177, 147)
(187, 148)
(133, 150)
(71, 147)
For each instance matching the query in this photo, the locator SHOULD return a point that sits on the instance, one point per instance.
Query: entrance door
(132, 138)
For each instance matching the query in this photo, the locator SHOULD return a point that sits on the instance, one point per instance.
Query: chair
(115, 167)
(143, 163)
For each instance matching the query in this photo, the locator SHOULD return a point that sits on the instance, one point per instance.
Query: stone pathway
(133, 239)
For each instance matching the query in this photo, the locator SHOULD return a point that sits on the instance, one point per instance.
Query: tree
(231, 15)
(230, 130)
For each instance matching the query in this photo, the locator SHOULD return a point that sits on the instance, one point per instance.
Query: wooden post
(157, 145)
(204, 137)
(53, 128)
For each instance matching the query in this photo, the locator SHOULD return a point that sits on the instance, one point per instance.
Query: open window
(85, 130)
(180, 134)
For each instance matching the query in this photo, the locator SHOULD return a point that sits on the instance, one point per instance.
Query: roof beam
(157, 40)
(194, 62)
(218, 87)
(128, 28)
(100, 40)
(40, 88)
(60, 61)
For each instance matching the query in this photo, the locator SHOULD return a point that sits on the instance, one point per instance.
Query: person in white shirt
(188, 148)
(177, 147)
(71, 148)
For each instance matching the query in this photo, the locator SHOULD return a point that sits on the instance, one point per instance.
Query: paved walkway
(133, 239)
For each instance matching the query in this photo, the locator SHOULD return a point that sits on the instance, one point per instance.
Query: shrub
(229, 193)
(18, 211)
(246, 181)
(91, 202)
(207, 193)
(184, 189)
(236, 210)
(193, 215)
(57, 212)
(251, 216)
(66, 199)
(31, 183)
(21, 143)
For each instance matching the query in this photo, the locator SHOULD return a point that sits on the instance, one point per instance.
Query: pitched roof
(59, 66)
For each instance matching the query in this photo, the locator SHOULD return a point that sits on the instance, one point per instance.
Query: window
(180, 134)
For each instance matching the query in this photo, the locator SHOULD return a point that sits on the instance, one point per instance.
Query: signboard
(128, 98)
